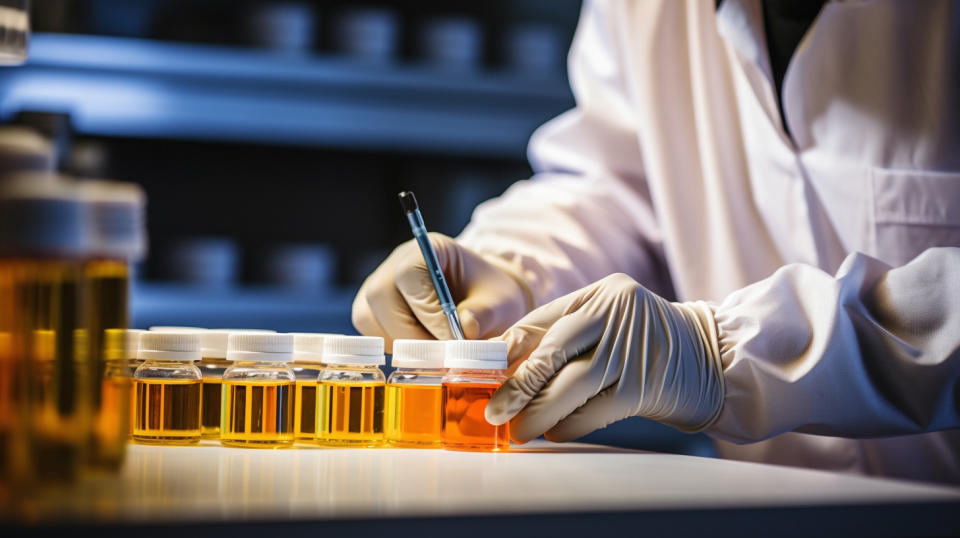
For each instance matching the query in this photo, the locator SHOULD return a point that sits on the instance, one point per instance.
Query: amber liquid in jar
(257, 414)
(464, 424)
(350, 414)
(414, 417)
(167, 411)
(305, 414)
(109, 285)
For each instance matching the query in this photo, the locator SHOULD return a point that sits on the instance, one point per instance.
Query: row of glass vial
(245, 393)
(65, 251)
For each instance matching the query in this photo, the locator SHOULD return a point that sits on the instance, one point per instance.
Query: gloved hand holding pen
(398, 299)
(609, 351)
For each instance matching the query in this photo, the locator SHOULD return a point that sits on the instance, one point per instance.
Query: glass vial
(167, 385)
(214, 350)
(116, 224)
(476, 368)
(113, 423)
(351, 392)
(257, 404)
(307, 364)
(414, 394)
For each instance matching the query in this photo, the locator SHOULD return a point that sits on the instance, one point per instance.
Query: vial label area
(257, 414)
(464, 425)
(414, 417)
(167, 411)
(210, 408)
(350, 414)
(305, 412)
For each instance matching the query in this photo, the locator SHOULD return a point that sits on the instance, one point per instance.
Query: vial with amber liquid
(476, 368)
(213, 343)
(351, 392)
(414, 394)
(167, 386)
(257, 401)
(307, 364)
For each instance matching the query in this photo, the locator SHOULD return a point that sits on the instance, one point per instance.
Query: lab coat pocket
(913, 211)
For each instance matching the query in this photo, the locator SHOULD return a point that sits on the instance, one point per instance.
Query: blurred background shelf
(265, 307)
(129, 87)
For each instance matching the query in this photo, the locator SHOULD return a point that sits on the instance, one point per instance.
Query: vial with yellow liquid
(257, 405)
(167, 387)
(350, 402)
(118, 238)
(414, 398)
(307, 364)
(112, 424)
(214, 350)
(45, 228)
(475, 370)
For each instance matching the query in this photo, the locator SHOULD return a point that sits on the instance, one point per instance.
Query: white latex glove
(609, 351)
(398, 300)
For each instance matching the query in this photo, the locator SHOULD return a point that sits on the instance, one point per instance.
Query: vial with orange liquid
(414, 394)
(258, 391)
(307, 364)
(350, 401)
(112, 421)
(476, 368)
(167, 387)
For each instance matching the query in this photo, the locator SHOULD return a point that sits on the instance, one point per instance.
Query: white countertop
(217, 484)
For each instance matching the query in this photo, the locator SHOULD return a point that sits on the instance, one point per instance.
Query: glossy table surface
(210, 483)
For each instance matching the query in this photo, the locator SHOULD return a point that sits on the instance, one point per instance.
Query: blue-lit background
(272, 137)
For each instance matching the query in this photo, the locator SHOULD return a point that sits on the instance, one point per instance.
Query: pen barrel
(436, 272)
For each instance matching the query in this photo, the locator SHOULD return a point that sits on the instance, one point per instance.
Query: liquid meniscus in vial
(167, 411)
(414, 415)
(350, 414)
(257, 414)
(210, 401)
(305, 412)
(464, 424)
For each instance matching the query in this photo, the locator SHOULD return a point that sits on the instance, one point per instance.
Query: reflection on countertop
(214, 483)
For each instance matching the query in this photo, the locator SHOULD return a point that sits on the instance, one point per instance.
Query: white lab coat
(836, 316)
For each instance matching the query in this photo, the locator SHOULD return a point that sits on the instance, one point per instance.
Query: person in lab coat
(728, 239)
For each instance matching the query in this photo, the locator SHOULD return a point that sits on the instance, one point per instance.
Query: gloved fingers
(485, 313)
(364, 320)
(573, 385)
(415, 290)
(568, 338)
(527, 333)
(598, 412)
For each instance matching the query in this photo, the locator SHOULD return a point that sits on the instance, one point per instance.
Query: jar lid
(117, 218)
(213, 342)
(359, 350)
(121, 344)
(260, 347)
(479, 354)
(170, 346)
(418, 353)
(308, 347)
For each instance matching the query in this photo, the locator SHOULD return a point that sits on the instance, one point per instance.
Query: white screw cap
(214, 341)
(478, 354)
(359, 350)
(418, 353)
(169, 346)
(263, 347)
(308, 347)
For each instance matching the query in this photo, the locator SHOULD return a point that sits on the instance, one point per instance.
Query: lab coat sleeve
(586, 212)
(870, 352)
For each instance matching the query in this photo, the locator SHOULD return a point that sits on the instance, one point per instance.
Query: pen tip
(408, 201)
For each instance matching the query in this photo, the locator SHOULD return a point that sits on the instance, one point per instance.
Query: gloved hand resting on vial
(609, 351)
(398, 299)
